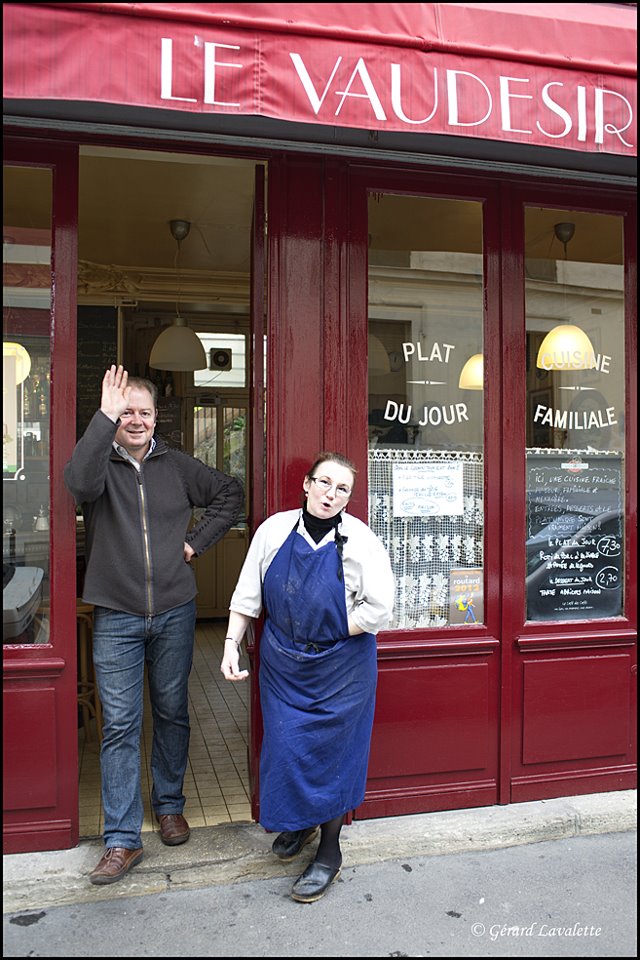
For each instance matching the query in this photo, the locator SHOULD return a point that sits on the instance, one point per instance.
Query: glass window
(226, 360)
(234, 454)
(426, 404)
(574, 415)
(25, 404)
(205, 435)
(220, 440)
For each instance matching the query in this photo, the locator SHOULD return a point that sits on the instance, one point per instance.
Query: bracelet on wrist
(237, 642)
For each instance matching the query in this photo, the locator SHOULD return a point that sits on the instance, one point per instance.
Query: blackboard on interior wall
(169, 422)
(575, 536)
(97, 350)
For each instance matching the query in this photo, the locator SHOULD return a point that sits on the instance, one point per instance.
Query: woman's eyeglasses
(326, 485)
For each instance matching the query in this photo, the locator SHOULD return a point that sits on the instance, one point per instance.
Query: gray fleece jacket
(136, 522)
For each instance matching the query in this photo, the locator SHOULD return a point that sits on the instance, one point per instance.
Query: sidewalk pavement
(234, 852)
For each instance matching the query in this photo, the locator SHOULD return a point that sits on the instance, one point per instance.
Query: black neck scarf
(319, 527)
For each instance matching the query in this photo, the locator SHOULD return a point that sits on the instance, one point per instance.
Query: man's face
(137, 424)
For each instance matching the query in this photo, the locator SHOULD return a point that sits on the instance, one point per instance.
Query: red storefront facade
(443, 182)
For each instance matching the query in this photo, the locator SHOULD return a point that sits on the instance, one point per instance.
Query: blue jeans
(122, 643)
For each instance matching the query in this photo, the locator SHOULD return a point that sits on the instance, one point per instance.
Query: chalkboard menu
(169, 422)
(575, 534)
(97, 350)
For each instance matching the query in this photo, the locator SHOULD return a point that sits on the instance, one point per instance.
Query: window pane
(235, 443)
(226, 359)
(25, 407)
(426, 404)
(205, 435)
(574, 415)
(220, 441)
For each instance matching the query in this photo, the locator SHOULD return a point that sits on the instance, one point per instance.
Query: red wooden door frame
(257, 459)
(47, 673)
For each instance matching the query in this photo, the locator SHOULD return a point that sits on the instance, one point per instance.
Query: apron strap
(340, 542)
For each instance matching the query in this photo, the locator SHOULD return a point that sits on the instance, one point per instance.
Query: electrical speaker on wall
(219, 359)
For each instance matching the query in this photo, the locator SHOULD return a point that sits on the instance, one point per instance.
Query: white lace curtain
(425, 549)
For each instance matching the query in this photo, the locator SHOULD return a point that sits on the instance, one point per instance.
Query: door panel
(217, 573)
(39, 653)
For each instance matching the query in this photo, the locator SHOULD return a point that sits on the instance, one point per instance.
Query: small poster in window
(466, 596)
(427, 489)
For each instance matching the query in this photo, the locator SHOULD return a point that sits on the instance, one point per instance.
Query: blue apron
(317, 691)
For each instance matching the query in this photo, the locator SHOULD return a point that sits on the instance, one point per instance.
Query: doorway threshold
(217, 778)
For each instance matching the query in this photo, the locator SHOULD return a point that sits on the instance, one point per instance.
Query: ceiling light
(566, 347)
(22, 358)
(178, 347)
(472, 374)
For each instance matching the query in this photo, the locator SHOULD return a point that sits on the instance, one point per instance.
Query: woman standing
(325, 583)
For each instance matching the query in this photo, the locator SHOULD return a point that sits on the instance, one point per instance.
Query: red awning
(548, 74)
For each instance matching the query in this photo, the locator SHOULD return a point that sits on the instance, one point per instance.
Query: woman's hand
(230, 665)
(115, 392)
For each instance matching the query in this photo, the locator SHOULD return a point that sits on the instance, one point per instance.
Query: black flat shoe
(288, 845)
(314, 882)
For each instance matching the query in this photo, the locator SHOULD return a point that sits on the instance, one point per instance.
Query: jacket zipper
(145, 537)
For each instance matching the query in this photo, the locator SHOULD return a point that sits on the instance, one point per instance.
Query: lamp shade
(472, 374)
(566, 347)
(22, 358)
(178, 348)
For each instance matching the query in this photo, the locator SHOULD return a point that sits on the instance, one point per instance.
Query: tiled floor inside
(217, 780)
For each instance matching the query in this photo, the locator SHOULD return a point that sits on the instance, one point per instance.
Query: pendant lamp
(178, 347)
(566, 347)
(378, 358)
(472, 374)
(21, 357)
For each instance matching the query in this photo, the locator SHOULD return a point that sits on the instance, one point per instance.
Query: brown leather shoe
(114, 863)
(174, 829)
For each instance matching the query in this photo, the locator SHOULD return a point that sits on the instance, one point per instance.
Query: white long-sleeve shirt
(368, 579)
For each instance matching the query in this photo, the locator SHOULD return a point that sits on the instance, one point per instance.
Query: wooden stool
(88, 697)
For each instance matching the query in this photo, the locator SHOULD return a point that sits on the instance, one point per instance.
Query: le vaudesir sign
(217, 68)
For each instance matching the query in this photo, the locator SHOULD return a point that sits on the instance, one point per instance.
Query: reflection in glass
(26, 404)
(205, 435)
(235, 443)
(574, 414)
(220, 439)
(425, 426)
